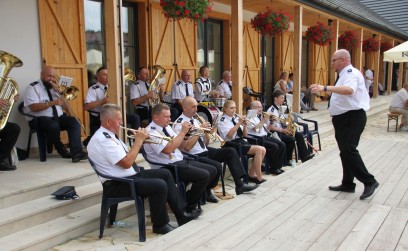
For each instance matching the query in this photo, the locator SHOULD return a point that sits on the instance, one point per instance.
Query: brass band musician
(224, 87)
(8, 138)
(202, 85)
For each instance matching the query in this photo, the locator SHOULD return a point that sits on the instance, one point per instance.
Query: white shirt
(368, 78)
(139, 89)
(177, 128)
(278, 113)
(352, 78)
(224, 126)
(154, 151)
(400, 98)
(202, 88)
(251, 127)
(224, 89)
(96, 92)
(178, 90)
(277, 85)
(105, 150)
(37, 93)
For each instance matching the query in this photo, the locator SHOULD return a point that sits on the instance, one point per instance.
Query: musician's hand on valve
(206, 125)
(185, 127)
(140, 135)
(286, 131)
(3, 104)
(105, 100)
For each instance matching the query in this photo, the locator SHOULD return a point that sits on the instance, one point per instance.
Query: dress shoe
(210, 197)
(163, 229)
(7, 167)
(314, 109)
(342, 188)
(276, 171)
(369, 190)
(64, 154)
(186, 217)
(245, 188)
(255, 180)
(308, 157)
(193, 210)
(79, 156)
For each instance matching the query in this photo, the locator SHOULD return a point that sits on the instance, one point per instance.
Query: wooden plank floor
(296, 211)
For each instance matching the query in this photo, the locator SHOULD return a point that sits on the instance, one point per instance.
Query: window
(267, 68)
(129, 30)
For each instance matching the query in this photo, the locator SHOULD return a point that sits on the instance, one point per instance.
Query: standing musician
(8, 137)
(98, 96)
(203, 85)
(43, 100)
(224, 87)
(284, 134)
(275, 149)
(112, 157)
(232, 127)
(181, 89)
(197, 145)
(167, 152)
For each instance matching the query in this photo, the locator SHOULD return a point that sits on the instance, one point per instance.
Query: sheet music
(65, 81)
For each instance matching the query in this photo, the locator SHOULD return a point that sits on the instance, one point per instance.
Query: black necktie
(230, 87)
(239, 131)
(136, 167)
(165, 132)
(260, 116)
(337, 79)
(187, 93)
(54, 109)
(200, 141)
(105, 88)
(147, 86)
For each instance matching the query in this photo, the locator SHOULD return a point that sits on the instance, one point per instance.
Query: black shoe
(210, 197)
(276, 171)
(369, 190)
(186, 217)
(255, 180)
(86, 141)
(193, 210)
(245, 188)
(64, 154)
(79, 156)
(308, 157)
(342, 188)
(163, 229)
(7, 167)
(287, 164)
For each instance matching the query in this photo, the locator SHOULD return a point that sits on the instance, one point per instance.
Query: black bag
(66, 193)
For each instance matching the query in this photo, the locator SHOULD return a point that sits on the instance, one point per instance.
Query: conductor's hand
(316, 88)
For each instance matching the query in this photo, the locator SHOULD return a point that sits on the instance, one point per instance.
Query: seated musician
(232, 127)
(202, 86)
(167, 152)
(181, 89)
(43, 100)
(399, 104)
(284, 134)
(224, 87)
(275, 149)
(197, 145)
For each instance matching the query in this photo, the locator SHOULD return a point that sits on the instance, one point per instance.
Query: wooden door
(319, 64)
(63, 44)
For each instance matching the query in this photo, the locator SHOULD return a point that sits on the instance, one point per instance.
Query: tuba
(8, 86)
(159, 71)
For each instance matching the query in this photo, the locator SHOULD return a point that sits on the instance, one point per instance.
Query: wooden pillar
(142, 19)
(401, 73)
(358, 63)
(334, 46)
(237, 56)
(226, 26)
(376, 68)
(113, 56)
(389, 79)
(297, 63)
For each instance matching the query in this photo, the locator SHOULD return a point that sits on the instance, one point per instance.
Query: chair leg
(141, 219)
(112, 213)
(42, 145)
(318, 139)
(244, 161)
(222, 178)
(102, 220)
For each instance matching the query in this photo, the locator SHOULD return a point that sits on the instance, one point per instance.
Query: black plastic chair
(307, 131)
(110, 204)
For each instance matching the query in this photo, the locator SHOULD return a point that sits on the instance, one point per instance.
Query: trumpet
(273, 118)
(212, 133)
(245, 119)
(154, 139)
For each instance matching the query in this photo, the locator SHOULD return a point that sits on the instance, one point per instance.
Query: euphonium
(154, 84)
(8, 86)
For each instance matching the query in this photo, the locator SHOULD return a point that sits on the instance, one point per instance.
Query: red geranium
(385, 47)
(195, 10)
(371, 45)
(348, 40)
(319, 34)
(271, 22)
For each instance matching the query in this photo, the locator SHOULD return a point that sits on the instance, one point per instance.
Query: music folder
(65, 81)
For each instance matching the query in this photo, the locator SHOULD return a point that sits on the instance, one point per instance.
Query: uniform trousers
(275, 152)
(156, 184)
(53, 128)
(216, 156)
(8, 138)
(290, 145)
(348, 128)
(199, 174)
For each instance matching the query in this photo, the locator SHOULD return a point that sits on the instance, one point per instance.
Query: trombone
(154, 139)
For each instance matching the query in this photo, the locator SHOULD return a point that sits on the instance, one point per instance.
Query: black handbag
(66, 193)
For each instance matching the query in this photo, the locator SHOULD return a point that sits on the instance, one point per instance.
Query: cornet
(154, 139)
(273, 118)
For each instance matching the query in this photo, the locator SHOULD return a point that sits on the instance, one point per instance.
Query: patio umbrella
(397, 54)
(93, 57)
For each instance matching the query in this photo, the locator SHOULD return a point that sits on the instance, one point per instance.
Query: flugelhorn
(154, 139)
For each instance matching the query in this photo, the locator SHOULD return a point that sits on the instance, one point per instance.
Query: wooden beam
(389, 79)
(334, 46)
(376, 68)
(297, 62)
(143, 38)
(400, 74)
(237, 56)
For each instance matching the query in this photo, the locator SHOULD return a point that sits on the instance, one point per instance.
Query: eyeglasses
(334, 60)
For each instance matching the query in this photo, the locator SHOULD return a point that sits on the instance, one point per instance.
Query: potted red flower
(385, 47)
(371, 45)
(319, 34)
(270, 22)
(195, 10)
(348, 40)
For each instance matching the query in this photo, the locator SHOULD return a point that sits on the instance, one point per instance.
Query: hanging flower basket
(348, 40)
(195, 10)
(385, 47)
(371, 45)
(319, 34)
(270, 22)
